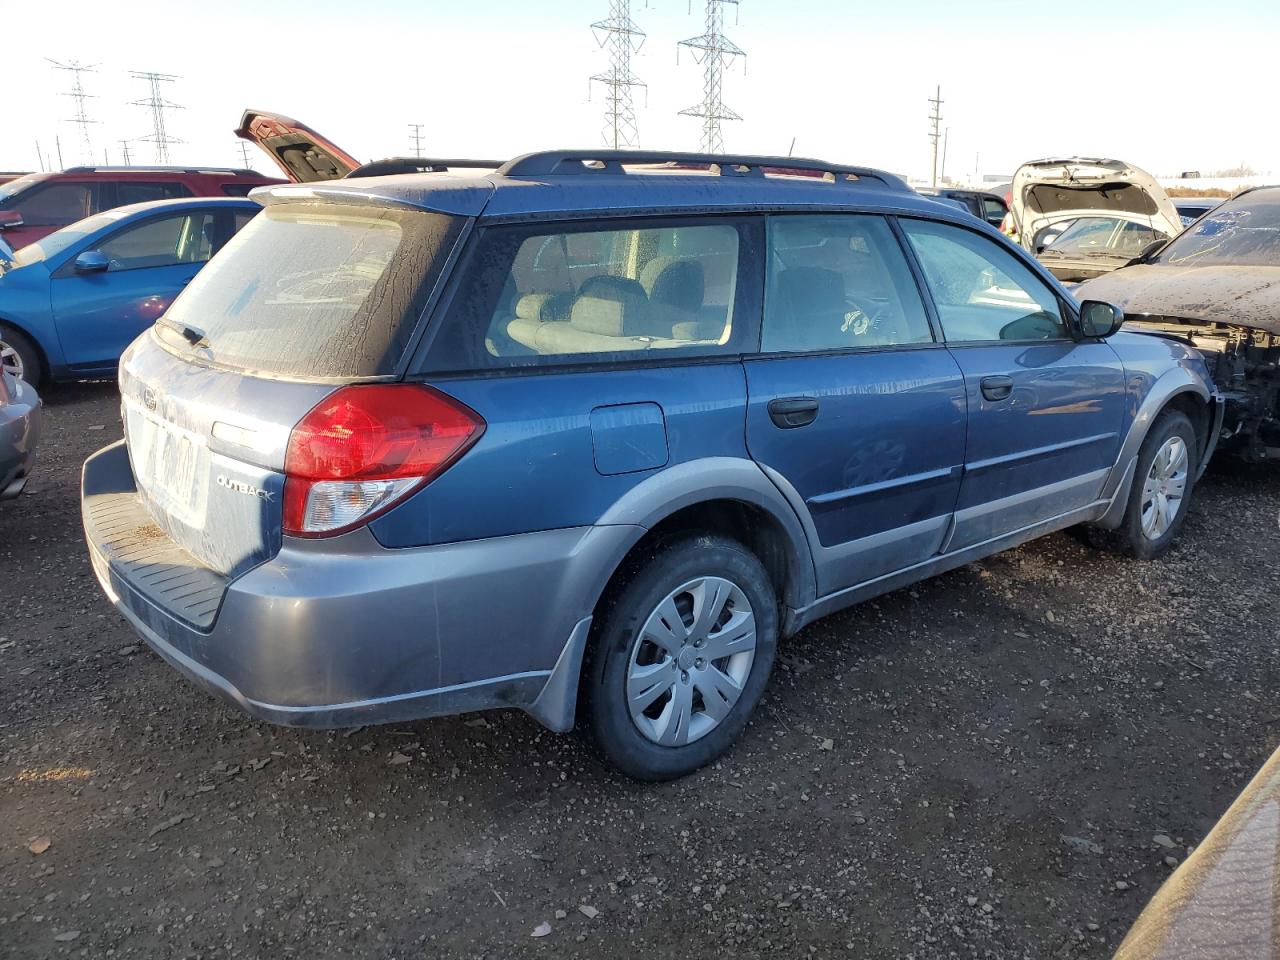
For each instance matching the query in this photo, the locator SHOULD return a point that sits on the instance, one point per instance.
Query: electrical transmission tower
(714, 51)
(415, 134)
(77, 94)
(244, 154)
(158, 105)
(124, 150)
(623, 39)
(935, 121)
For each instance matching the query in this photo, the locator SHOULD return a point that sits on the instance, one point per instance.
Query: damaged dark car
(1217, 287)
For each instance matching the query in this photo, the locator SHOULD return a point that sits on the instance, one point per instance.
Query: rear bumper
(343, 632)
(19, 435)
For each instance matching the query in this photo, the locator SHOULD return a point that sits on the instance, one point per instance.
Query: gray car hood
(1048, 191)
(1245, 296)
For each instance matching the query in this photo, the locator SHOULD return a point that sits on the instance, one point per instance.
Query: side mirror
(1100, 319)
(10, 218)
(92, 261)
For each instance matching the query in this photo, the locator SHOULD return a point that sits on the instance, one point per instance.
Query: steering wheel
(861, 321)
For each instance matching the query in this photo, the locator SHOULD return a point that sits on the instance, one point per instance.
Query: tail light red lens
(363, 449)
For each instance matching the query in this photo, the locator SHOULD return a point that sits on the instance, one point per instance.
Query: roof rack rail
(139, 168)
(559, 163)
(382, 168)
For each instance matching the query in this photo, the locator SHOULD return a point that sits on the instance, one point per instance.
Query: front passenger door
(1045, 411)
(99, 314)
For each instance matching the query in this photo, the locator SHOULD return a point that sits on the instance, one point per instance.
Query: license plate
(165, 460)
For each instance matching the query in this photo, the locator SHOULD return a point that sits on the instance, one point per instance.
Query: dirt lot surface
(972, 768)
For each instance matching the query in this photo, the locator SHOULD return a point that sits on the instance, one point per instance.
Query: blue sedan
(72, 302)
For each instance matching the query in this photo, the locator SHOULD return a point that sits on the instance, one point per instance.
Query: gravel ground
(975, 767)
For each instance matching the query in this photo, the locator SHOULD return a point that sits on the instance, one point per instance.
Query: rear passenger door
(1045, 410)
(854, 409)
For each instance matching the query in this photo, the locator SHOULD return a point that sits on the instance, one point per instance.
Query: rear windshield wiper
(197, 338)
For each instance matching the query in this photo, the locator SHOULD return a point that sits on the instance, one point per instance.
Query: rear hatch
(304, 155)
(1048, 192)
(309, 296)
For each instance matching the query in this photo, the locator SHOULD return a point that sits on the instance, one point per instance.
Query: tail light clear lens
(363, 449)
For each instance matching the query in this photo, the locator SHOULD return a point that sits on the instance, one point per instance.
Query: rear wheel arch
(751, 524)
(761, 529)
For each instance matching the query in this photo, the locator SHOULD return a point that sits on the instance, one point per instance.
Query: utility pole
(77, 94)
(935, 119)
(157, 105)
(946, 136)
(416, 135)
(714, 51)
(623, 39)
(57, 142)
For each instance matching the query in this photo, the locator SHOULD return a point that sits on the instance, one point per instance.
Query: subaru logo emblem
(149, 398)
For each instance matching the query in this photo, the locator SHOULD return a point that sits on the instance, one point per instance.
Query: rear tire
(1161, 491)
(22, 357)
(659, 702)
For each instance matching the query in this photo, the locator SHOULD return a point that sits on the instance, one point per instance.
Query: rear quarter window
(555, 294)
(315, 290)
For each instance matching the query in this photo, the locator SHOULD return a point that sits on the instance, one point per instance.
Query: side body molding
(721, 478)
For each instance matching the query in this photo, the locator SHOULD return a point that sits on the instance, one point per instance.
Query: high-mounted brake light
(363, 449)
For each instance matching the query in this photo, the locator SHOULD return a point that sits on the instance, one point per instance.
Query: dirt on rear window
(319, 290)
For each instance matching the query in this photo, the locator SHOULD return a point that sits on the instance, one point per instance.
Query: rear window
(537, 296)
(314, 290)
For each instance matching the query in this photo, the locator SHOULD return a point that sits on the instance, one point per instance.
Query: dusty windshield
(1245, 231)
(313, 290)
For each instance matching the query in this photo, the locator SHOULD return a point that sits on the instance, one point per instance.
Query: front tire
(1162, 484)
(20, 357)
(680, 657)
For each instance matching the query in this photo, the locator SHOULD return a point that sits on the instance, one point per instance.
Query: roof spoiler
(560, 163)
(393, 165)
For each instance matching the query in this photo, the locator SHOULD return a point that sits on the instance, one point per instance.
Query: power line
(158, 105)
(77, 94)
(935, 119)
(623, 39)
(714, 51)
(415, 134)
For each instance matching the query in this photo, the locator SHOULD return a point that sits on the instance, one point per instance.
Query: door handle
(789, 412)
(997, 388)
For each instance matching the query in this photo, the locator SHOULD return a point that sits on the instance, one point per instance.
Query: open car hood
(303, 155)
(1046, 191)
(1244, 296)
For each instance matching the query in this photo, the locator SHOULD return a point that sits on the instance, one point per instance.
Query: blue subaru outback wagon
(588, 434)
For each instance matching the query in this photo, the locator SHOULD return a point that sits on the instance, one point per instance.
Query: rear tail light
(363, 449)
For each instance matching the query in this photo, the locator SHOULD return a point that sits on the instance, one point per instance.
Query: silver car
(19, 428)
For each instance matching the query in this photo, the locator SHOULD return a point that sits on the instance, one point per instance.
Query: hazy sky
(1169, 86)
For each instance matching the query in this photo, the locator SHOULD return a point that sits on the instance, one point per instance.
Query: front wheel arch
(43, 372)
